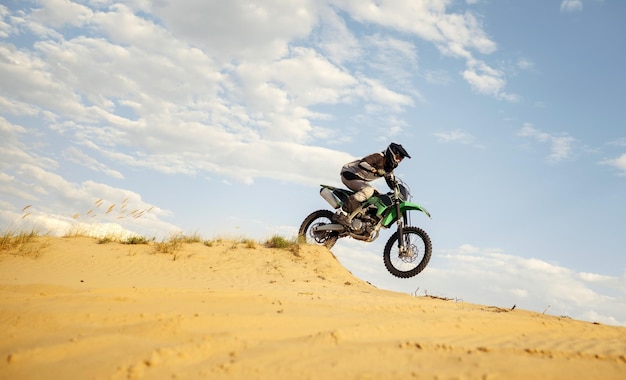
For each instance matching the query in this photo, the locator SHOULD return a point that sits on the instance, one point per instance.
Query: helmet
(393, 155)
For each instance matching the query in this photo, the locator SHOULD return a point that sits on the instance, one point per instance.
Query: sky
(222, 118)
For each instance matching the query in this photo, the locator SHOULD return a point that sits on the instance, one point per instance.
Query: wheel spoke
(307, 231)
(413, 257)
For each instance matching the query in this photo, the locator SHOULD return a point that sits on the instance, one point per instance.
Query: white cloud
(487, 80)
(76, 155)
(337, 42)
(376, 92)
(594, 277)
(59, 13)
(390, 58)
(30, 179)
(455, 136)
(240, 29)
(439, 77)
(95, 207)
(141, 80)
(464, 31)
(571, 5)
(503, 279)
(454, 34)
(5, 28)
(490, 276)
(619, 163)
(307, 77)
(525, 64)
(561, 146)
(619, 142)
(393, 126)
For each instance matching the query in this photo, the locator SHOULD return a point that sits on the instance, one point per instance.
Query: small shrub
(249, 243)
(194, 238)
(280, 242)
(214, 242)
(168, 246)
(136, 240)
(171, 246)
(105, 240)
(277, 241)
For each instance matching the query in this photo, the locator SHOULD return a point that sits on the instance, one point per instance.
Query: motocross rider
(357, 175)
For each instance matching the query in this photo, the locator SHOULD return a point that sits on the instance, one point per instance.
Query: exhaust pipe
(329, 227)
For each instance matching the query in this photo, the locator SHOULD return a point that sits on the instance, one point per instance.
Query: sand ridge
(83, 310)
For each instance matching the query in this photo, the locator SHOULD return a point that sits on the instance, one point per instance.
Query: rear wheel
(414, 258)
(308, 235)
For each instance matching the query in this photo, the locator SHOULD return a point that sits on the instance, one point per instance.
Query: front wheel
(308, 235)
(415, 256)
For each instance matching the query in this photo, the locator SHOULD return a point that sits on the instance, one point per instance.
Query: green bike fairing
(389, 213)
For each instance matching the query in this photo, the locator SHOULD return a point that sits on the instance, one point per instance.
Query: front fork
(400, 221)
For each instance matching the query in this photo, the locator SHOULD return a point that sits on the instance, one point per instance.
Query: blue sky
(222, 118)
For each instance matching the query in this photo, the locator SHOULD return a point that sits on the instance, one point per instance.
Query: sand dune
(83, 310)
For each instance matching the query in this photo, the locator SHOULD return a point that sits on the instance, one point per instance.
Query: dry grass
(119, 210)
(170, 247)
(20, 243)
(77, 231)
(136, 240)
(234, 242)
(249, 243)
(280, 242)
(173, 245)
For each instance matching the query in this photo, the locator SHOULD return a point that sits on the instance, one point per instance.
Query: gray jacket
(367, 169)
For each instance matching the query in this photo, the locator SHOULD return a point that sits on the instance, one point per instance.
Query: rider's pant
(363, 190)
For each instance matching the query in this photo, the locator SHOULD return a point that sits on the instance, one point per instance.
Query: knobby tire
(328, 239)
(418, 238)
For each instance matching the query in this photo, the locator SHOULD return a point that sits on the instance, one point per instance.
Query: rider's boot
(348, 208)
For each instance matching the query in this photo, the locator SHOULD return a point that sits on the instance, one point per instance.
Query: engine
(363, 227)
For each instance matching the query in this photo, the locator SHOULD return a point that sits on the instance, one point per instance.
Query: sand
(71, 308)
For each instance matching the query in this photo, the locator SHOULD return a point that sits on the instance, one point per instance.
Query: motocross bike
(407, 251)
